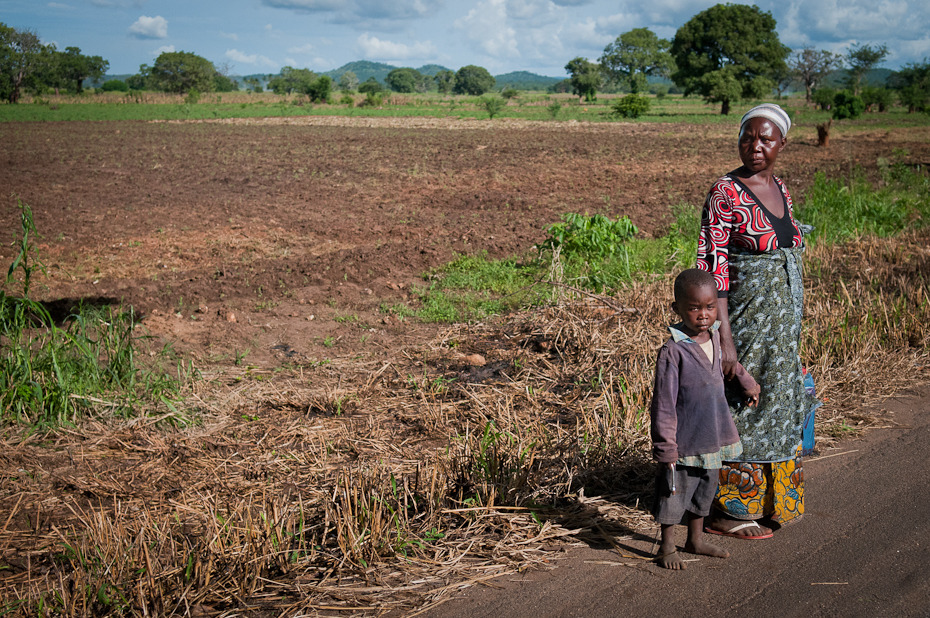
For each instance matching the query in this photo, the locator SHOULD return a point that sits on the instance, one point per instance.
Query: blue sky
(261, 36)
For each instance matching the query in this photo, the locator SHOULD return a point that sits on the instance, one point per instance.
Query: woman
(752, 245)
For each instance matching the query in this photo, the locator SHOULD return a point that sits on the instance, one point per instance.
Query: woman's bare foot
(736, 528)
(672, 561)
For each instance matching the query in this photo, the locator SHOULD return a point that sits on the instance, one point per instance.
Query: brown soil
(267, 238)
(279, 241)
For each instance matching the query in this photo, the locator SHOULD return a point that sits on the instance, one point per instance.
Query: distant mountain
(524, 80)
(432, 69)
(363, 69)
(875, 77)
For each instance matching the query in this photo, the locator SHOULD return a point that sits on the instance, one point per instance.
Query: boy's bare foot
(672, 561)
(706, 549)
(737, 528)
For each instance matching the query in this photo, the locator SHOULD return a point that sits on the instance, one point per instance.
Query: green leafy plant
(630, 106)
(591, 236)
(554, 108)
(493, 105)
(847, 105)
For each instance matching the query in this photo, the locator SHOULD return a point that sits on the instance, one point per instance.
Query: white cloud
(374, 48)
(255, 59)
(58, 5)
(164, 49)
(486, 26)
(150, 28)
(230, 35)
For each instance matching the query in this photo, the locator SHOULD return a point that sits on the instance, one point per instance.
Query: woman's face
(760, 141)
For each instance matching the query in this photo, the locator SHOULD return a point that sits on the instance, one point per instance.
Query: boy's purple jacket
(690, 415)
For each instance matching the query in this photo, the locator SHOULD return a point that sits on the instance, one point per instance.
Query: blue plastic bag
(807, 429)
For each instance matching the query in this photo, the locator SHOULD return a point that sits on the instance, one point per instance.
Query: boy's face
(697, 309)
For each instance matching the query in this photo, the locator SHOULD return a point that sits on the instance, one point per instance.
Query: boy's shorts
(696, 489)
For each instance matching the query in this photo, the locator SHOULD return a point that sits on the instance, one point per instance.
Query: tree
(348, 81)
(635, 56)
(811, 67)
(473, 80)
(223, 83)
(403, 80)
(586, 77)
(141, 80)
(75, 67)
(114, 85)
(182, 72)
(727, 53)
(371, 86)
(847, 105)
(861, 60)
(445, 81)
(320, 89)
(913, 85)
(291, 80)
(20, 52)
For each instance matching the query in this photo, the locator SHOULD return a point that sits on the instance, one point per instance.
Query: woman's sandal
(732, 532)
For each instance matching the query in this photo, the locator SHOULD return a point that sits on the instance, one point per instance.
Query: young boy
(692, 430)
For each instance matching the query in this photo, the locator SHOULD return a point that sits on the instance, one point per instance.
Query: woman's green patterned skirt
(766, 304)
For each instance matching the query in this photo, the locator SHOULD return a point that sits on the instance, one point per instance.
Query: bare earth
(280, 241)
(255, 235)
(862, 549)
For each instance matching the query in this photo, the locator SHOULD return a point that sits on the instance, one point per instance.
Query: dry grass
(360, 488)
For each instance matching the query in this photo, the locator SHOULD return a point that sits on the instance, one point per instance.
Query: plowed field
(267, 235)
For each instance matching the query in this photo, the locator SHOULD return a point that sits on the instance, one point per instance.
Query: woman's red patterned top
(733, 217)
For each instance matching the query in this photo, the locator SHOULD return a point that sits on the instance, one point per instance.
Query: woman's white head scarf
(776, 114)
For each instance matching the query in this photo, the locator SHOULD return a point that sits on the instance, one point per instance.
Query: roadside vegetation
(383, 488)
(56, 370)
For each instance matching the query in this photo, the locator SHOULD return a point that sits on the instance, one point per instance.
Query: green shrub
(370, 86)
(509, 93)
(847, 105)
(630, 106)
(823, 97)
(588, 236)
(192, 97)
(320, 89)
(372, 99)
(115, 85)
(876, 98)
(493, 105)
(554, 108)
(347, 99)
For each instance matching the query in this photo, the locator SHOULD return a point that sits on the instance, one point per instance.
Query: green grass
(52, 373)
(472, 287)
(537, 106)
(840, 210)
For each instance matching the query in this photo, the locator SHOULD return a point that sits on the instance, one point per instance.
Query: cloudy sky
(261, 36)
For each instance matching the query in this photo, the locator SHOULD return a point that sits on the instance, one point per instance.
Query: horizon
(503, 36)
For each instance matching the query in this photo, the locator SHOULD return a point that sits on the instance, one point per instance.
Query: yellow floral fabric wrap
(755, 490)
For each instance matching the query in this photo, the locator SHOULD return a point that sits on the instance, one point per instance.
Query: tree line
(731, 52)
(725, 54)
(27, 64)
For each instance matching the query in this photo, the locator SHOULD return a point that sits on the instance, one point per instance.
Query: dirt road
(862, 549)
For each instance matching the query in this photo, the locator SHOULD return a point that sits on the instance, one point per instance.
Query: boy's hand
(752, 395)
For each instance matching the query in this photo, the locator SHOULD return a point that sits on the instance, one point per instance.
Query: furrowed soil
(258, 246)
(268, 238)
